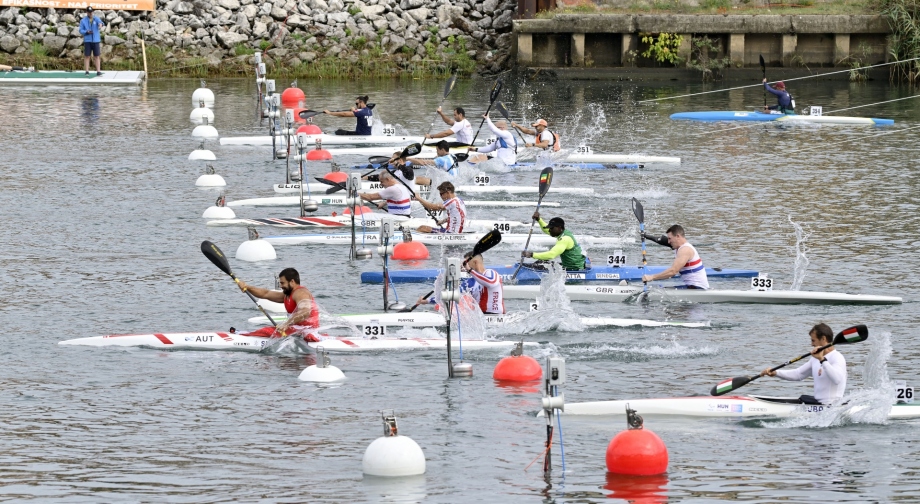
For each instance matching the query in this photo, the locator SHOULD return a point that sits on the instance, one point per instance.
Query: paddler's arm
(303, 311)
(562, 244)
(346, 113)
(446, 118)
(429, 205)
(523, 129)
(421, 162)
(542, 223)
(798, 374)
(259, 292)
(370, 196)
(443, 134)
(683, 256)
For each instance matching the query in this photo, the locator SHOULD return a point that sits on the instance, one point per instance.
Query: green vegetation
(904, 43)
(38, 50)
(704, 56)
(243, 49)
(264, 44)
(663, 47)
(358, 43)
(353, 10)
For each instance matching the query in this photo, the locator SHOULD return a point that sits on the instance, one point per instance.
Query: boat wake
(639, 352)
(866, 405)
(801, 259)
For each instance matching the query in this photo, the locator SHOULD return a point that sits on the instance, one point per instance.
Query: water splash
(801, 259)
(674, 349)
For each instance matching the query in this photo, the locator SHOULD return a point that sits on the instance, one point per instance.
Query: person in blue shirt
(445, 161)
(361, 112)
(90, 28)
(783, 99)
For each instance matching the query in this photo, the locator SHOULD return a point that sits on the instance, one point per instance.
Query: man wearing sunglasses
(456, 211)
(361, 112)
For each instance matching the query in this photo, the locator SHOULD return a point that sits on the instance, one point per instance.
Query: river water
(102, 232)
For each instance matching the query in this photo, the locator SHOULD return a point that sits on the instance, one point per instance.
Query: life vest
(573, 258)
(556, 144)
(504, 145)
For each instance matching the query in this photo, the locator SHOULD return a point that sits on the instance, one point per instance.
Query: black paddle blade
(503, 110)
(378, 160)
(214, 254)
(763, 65)
(491, 239)
(449, 86)
(854, 334)
(462, 156)
(412, 149)
(371, 105)
(638, 211)
(546, 178)
(496, 88)
(306, 114)
(731, 384)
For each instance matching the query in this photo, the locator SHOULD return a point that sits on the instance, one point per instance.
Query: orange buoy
(322, 155)
(292, 98)
(309, 129)
(522, 368)
(336, 176)
(636, 451)
(410, 251)
(358, 210)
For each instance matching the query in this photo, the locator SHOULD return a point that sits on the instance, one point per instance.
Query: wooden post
(144, 54)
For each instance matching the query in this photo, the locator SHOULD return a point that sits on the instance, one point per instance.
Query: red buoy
(358, 210)
(523, 368)
(336, 176)
(410, 251)
(638, 452)
(638, 489)
(322, 155)
(292, 98)
(309, 129)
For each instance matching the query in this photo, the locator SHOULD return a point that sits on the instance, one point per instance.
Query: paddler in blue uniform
(566, 248)
(361, 112)
(827, 367)
(687, 261)
(783, 98)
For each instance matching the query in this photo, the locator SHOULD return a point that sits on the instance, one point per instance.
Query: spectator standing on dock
(90, 28)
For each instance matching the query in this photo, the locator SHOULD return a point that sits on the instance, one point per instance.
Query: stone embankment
(457, 33)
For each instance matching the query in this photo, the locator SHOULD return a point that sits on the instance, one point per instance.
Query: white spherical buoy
(255, 249)
(204, 131)
(219, 210)
(200, 114)
(210, 179)
(394, 456)
(203, 94)
(322, 371)
(202, 155)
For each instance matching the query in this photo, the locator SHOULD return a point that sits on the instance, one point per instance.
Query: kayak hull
(266, 140)
(429, 152)
(621, 293)
(527, 275)
(756, 116)
(464, 189)
(294, 201)
(722, 406)
(367, 221)
(433, 239)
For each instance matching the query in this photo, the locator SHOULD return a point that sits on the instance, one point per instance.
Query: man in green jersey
(566, 248)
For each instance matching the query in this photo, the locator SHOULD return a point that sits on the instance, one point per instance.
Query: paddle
(448, 88)
(410, 151)
(546, 178)
(854, 334)
(491, 239)
(369, 105)
(504, 112)
(639, 212)
(216, 256)
(496, 88)
(306, 114)
(763, 70)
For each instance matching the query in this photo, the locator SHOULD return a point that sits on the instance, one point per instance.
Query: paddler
(566, 248)
(484, 285)
(783, 98)
(445, 161)
(452, 205)
(543, 138)
(397, 197)
(827, 367)
(687, 262)
(303, 313)
(360, 112)
(460, 128)
(504, 146)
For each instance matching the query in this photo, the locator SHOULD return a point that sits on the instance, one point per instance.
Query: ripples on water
(103, 232)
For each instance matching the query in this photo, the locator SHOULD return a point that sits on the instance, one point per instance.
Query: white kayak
(573, 157)
(723, 406)
(431, 319)
(401, 141)
(367, 186)
(437, 239)
(620, 293)
(237, 342)
(327, 199)
(369, 221)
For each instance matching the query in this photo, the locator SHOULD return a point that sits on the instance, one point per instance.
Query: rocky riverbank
(312, 38)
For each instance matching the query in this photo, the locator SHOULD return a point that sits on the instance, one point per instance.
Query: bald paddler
(504, 146)
(398, 199)
(687, 261)
(566, 248)
(783, 98)
(303, 313)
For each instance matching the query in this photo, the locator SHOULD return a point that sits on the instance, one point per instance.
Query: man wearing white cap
(90, 26)
(544, 138)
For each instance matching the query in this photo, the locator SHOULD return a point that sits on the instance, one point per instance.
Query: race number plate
(534, 306)
(481, 179)
(389, 130)
(502, 227)
(374, 331)
(616, 259)
(583, 149)
(903, 392)
(762, 283)
(816, 110)
(491, 140)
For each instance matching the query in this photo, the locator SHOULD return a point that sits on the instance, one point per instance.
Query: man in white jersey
(827, 367)
(687, 262)
(488, 289)
(504, 146)
(459, 127)
(397, 198)
(456, 211)
(543, 138)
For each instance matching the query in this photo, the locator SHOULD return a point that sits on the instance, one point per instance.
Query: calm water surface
(102, 232)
